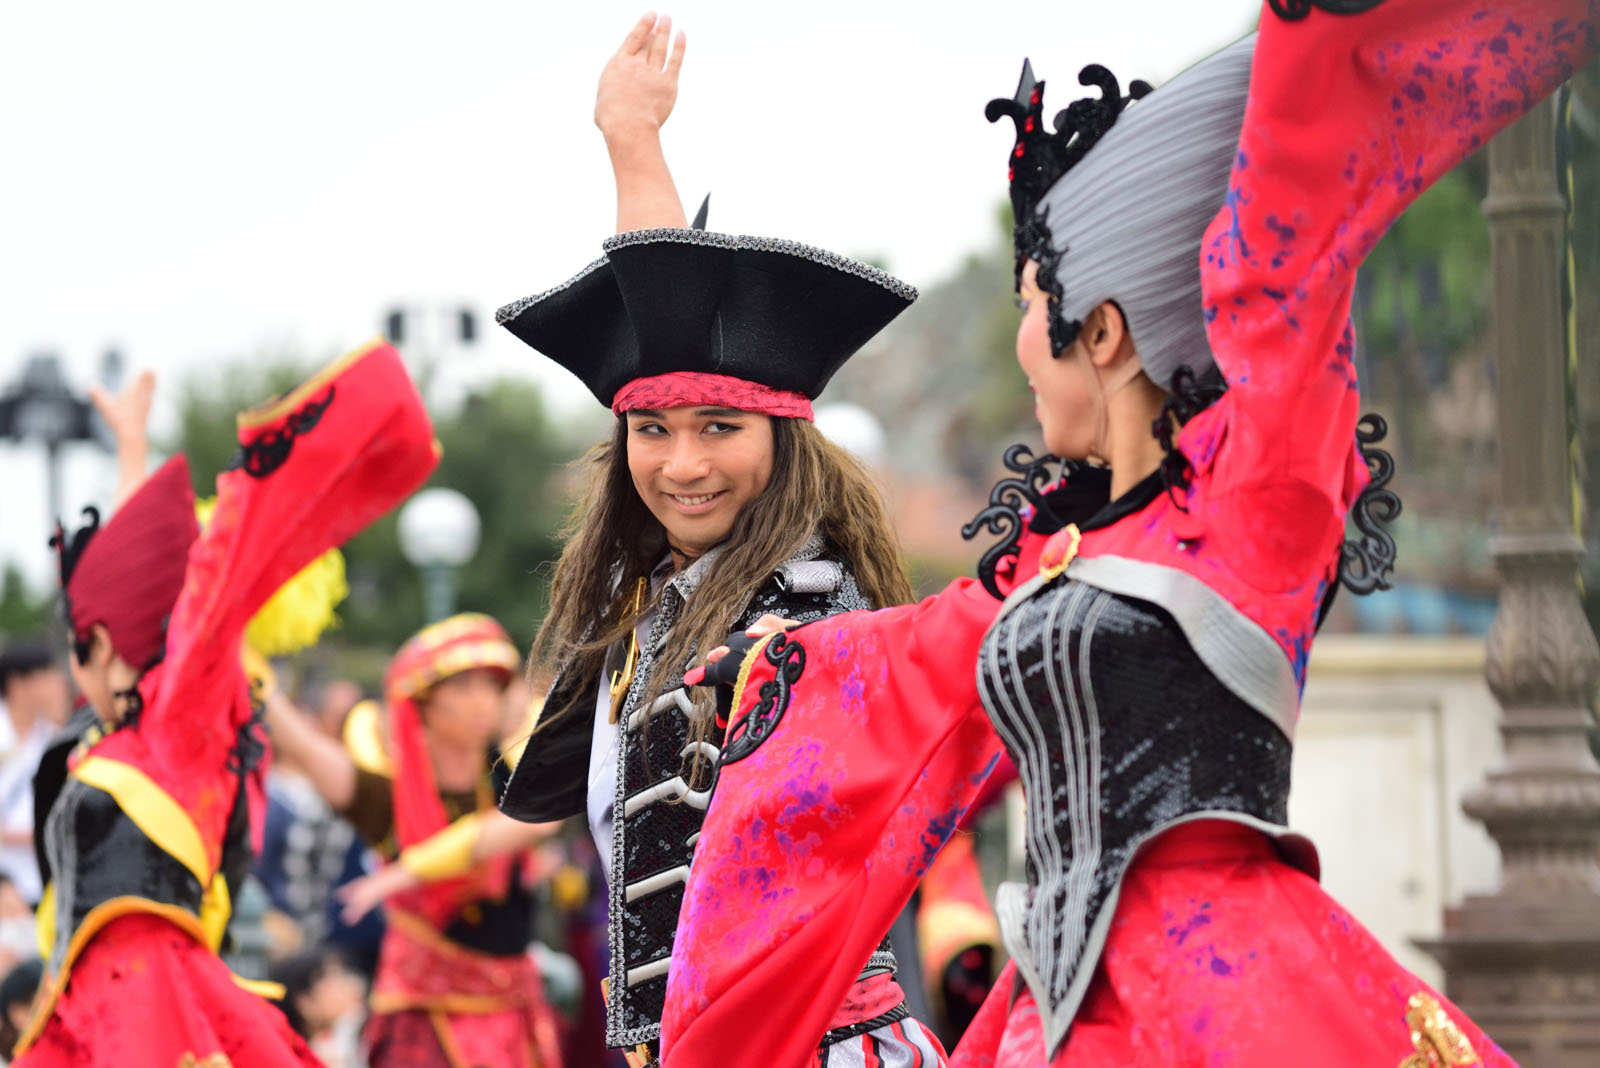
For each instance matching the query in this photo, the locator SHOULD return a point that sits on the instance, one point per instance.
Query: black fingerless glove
(724, 673)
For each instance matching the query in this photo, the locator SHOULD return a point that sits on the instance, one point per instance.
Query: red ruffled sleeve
(814, 842)
(317, 466)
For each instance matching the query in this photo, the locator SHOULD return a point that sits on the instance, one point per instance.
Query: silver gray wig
(1127, 221)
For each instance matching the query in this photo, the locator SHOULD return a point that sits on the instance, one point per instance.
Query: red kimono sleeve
(315, 467)
(1350, 117)
(870, 751)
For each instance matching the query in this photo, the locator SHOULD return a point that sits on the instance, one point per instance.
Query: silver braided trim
(510, 311)
(1238, 650)
(745, 243)
(882, 960)
(672, 600)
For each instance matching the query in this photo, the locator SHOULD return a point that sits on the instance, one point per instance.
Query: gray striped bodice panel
(1118, 730)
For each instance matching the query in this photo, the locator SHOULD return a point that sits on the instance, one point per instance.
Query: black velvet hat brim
(774, 312)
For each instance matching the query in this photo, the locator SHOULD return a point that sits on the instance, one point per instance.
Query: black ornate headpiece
(69, 550)
(1040, 157)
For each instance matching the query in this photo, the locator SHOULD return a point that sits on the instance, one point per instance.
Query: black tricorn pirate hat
(773, 312)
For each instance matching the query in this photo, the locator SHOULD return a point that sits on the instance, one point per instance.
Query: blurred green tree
(1422, 298)
(501, 451)
(21, 613)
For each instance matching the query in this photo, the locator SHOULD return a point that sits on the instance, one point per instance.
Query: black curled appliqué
(1189, 396)
(1033, 242)
(270, 451)
(1294, 10)
(1003, 515)
(132, 705)
(249, 745)
(1031, 238)
(69, 550)
(789, 657)
(69, 547)
(1366, 563)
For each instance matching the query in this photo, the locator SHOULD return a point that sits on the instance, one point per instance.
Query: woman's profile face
(1063, 388)
(696, 468)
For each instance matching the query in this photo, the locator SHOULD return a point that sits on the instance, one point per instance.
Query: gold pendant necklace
(621, 680)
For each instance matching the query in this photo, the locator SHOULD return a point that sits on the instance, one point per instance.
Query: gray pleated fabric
(1129, 217)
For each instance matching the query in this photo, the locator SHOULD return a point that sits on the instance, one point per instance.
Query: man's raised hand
(639, 84)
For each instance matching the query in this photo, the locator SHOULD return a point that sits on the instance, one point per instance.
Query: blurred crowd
(35, 702)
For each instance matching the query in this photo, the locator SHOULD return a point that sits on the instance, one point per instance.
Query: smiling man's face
(696, 468)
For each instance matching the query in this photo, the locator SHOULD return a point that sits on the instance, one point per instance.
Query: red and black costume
(671, 318)
(1146, 680)
(455, 985)
(150, 831)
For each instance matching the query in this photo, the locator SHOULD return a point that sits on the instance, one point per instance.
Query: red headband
(685, 389)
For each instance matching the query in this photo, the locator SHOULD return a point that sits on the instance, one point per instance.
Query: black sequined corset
(99, 854)
(657, 815)
(1118, 731)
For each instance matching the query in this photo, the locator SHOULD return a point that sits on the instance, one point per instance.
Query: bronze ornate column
(1524, 961)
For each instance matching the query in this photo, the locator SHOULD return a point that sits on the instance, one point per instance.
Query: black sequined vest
(657, 815)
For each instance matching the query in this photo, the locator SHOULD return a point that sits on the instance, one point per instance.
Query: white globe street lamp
(854, 429)
(439, 531)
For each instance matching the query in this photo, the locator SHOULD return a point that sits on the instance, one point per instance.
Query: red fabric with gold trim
(685, 389)
(1220, 953)
(489, 1009)
(131, 571)
(317, 466)
(144, 994)
(461, 643)
(320, 464)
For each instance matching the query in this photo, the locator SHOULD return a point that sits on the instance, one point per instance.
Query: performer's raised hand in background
(125, 416)
(637, 91)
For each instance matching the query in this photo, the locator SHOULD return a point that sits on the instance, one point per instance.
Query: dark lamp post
(39, 406)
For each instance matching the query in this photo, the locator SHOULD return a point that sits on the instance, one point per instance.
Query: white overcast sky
(198, 182)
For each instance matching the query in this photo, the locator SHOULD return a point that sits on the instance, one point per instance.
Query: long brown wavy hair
(612, 541)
